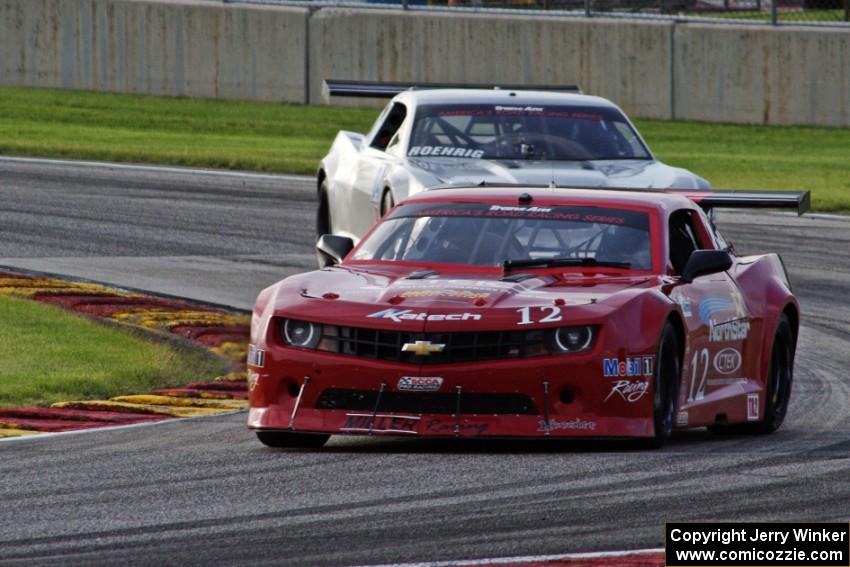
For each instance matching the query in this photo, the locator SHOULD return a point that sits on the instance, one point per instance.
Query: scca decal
(399, 315)
(628, 367)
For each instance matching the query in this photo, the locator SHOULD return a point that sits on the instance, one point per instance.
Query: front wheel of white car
(387, 202)
(323, 212)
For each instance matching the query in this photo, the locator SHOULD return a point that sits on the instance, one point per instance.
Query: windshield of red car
(538, 132)
(488, 234)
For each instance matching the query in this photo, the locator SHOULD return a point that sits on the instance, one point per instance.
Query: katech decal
(256, 357)
(399, 315)
(437, 426)
(752, 407)
(445, 151)
(629, 391)
(420, 383)
(556, 425)
(628, 367)
(727, 361)
(380, 423)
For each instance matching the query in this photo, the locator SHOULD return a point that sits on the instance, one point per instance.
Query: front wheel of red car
(286, 439)
(665, 387)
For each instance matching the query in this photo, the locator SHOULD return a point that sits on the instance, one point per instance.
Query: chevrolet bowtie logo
(422, 348)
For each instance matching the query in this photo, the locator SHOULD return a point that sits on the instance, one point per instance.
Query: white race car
(429, 136)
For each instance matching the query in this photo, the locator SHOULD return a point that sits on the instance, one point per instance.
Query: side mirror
(331, 249)
(704, 262)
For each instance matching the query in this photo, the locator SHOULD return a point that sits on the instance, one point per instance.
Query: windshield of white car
(524, 132)
(489, 234)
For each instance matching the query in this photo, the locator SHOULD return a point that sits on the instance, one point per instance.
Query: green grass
(292, 138)
(787, 16)
(48, 355)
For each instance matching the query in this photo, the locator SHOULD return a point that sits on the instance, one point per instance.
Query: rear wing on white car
(373, 89)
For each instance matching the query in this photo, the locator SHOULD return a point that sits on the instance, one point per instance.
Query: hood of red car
(387, 294)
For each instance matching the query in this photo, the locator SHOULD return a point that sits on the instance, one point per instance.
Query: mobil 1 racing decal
(628, 367)
(379, 423)
(725, 317)
(629, 391)
(419, 383)
(398, 315)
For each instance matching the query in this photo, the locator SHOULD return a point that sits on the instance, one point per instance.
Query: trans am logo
(399, 315)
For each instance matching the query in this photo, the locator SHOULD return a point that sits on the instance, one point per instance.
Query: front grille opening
(435, 403)
(459, 347)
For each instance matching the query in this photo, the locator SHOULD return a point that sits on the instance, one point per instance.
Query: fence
(775, 12)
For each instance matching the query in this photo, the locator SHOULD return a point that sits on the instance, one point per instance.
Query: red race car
(529, 312)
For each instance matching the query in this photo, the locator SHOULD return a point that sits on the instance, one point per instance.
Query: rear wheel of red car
(779, 379)
(780, 375)
(286, 439)
(668, 366)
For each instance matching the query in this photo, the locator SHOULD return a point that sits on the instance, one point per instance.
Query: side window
(395, 117)
(683, 239)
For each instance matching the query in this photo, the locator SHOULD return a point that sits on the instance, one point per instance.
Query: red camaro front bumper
(556, 395)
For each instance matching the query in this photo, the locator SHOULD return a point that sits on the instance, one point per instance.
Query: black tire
(387, 202)
(665, 386)
(780, 376)
(323, 212)
(285, 439)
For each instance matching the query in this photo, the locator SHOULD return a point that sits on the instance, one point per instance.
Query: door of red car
(718, 325)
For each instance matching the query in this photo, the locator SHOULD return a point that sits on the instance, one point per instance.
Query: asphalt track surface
(204, 491)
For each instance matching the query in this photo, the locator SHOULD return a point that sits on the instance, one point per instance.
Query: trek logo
(629, 367)
(399, 315)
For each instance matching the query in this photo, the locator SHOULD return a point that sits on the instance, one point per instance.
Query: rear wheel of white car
(665, 387)
(387, 202)
(323, 212)
(286, 439)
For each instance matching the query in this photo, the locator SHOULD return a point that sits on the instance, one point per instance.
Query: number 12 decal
(700, 359)
(548, 314)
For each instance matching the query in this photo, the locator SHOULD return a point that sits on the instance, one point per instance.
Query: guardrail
(830, 13)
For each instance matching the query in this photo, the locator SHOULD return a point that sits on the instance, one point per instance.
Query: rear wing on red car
(375, 89)
(712, 198)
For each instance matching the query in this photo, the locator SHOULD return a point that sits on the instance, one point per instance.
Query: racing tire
(779, 379)
(288, 440)
(387, 202)
(780, 376)
(665, 387)
(323, 212)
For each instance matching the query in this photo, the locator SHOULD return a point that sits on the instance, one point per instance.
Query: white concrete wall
(655, 69)
(625, 61)
(175, 47)
(762, 75)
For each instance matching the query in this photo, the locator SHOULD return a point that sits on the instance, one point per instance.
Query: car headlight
(301, 333)
(572, 339)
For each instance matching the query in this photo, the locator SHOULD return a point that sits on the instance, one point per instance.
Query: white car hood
(598, 173)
